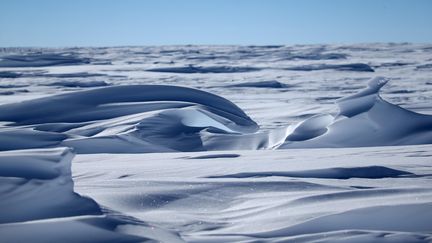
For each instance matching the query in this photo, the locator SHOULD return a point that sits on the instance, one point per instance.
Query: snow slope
(379, 194)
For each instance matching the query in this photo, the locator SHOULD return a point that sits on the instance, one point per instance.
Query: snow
(152, 118)
(365, 119)
(261, 84)
(359, 67)
(212, 69)
(40, 60)
(322, 143)
(79, 84)
(269, 195)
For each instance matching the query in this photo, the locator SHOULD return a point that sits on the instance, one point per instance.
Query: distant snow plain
(305, 143)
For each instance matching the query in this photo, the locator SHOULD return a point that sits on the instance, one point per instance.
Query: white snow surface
(306, 143)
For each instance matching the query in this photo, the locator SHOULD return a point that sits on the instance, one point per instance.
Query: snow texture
(133, 144)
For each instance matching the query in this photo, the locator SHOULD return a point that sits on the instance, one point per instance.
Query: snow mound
(110, 102)
(136, 118)
(364, 119)
(38, 199)
(46, 176)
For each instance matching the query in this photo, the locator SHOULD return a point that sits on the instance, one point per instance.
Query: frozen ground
(320, 143)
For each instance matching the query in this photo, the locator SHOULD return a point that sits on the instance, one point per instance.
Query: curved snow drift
(135, 118)
(364, 119)
(38, 196)
(158, 118)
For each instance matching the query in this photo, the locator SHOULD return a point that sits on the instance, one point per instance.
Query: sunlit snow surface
(343, 134)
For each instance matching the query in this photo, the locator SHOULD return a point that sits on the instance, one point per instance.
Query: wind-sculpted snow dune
(364, 119)
(37, 199)
(46, 174)
(158, 118)
(152, 118)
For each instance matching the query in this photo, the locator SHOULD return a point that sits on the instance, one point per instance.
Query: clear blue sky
(259, 22)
